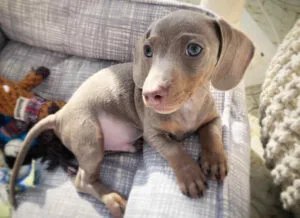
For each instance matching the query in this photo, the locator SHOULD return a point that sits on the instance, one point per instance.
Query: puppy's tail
(44, 124)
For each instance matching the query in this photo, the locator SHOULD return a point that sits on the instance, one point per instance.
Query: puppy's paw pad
(116, 204)
(214, 165)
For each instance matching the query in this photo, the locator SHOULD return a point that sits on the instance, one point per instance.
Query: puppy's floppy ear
(141, 66)
(235, 54)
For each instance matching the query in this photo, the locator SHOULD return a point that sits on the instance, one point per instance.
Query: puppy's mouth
(161, 109)
(166, 105)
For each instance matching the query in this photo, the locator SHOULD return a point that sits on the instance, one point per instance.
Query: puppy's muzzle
(156, 96)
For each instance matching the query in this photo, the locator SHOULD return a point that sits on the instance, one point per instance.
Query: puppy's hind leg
(89, 154)
(112, 200)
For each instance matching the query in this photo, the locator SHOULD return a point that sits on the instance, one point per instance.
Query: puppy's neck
(198, 97)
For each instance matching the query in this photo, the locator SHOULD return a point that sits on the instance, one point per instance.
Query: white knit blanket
(280, 118)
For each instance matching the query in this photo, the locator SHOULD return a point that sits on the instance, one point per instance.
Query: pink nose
(156, 96)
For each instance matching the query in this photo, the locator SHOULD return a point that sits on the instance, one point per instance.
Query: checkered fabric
(105, 29)
(2, 39)
(70, 38)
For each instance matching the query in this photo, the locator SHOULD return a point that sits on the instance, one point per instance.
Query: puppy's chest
(189, 116)
(185, 121)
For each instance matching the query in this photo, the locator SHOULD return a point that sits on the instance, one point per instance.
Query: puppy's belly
(118, 135)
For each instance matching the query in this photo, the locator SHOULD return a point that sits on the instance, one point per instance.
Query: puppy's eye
(193, 49)
(148, 51)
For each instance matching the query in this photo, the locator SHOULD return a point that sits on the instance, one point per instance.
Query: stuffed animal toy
(17, 101)
(27, 108)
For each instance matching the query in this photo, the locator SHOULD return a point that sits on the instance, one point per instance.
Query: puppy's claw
(214, 171)
(200, 194)
(183, 189)
(206, 184)
(222, 172)
(214, 165)
(205, 168)
(193, 190)
(191, 179)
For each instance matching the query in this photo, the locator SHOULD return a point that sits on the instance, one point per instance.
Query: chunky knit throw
(280, 118)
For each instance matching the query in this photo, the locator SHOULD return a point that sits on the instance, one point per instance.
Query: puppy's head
(184, 51)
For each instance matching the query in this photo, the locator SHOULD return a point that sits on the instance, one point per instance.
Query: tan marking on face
(153, 39)
(183, 88)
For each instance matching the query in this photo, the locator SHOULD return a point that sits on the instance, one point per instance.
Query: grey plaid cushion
(105, 29)
(3, 39)
(67, 72)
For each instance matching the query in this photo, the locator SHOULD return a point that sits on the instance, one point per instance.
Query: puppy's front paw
(214, 164)
(191, 180)
(116, 204)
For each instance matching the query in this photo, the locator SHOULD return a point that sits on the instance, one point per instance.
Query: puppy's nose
(156, 96)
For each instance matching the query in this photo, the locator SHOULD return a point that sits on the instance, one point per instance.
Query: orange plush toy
(17, 101)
